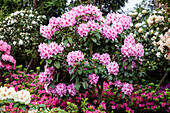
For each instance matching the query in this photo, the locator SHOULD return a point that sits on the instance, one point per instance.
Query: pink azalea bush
(142, 97)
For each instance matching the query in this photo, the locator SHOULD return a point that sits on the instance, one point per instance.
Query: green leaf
(110, 77)
(58, 73)
(41, 61)
(125, 63)
(72, 77)
(41, 105)
(79, 72)
(52, 85)
(84, 84)
(57, 64)
(129, 65)
(23, 107)
(123, 95)
(72, 70)
(18, 67)
(49, 61)
(94, 39)
(65, 43)
(77, 86)
(15, 105)
(70, 40)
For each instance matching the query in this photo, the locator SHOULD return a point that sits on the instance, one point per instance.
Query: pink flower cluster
(122, 19)
(131, 49)
(5, 47)
(61, 89)
(47, 31)
(127, 88)
(6, 59)
(104, 58)
(71, 89)
(84, 29)
(69, 19)
(74, 56)
(47, 51)
(118, 83)
(93, 78)
(113, 68)
(114, 24)
(46, 77)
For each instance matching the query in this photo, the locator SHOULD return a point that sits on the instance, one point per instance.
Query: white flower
(138, 25)
(31, 15)
(140, 30)
(143, 11)
(156, 33)
(23, 96)
(33, 111)
(159, 12)
(151, 31)
(154, 12)
(131, 24)
(44, 16)
(1, 36)
(26, 38)
(157, 28)
(33, 22)
(154, 38)
(3, 93)
(11, 92)
(21, 14)
(20, 42)
(158, 54)
(17, 96)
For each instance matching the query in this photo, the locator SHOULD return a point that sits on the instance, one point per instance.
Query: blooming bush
(20, 30)
(141, 98)
(150, 28)
(81, 51)
(7, 62)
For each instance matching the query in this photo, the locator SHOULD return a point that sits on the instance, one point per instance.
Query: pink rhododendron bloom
(5, 47)
(118, 83)
(129, 40)
(47, 31)
(109, 32)
(61, 89)
(2, 65)
(74, 56)
(113, 68)
(93, 25)
(96, 56)
(105, 59)
(47, 51)
(83, 30)
(127, 88)
(139, 50)
(131, 49)
(71, 89)
(93, 78)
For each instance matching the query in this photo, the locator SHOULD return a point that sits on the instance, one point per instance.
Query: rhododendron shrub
(7, 62)
(151, 28)
(84, 49)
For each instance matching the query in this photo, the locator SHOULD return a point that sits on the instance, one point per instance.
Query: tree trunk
(100, 2)
(34, 4)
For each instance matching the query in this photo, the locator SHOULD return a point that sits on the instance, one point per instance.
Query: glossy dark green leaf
(57, 64)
